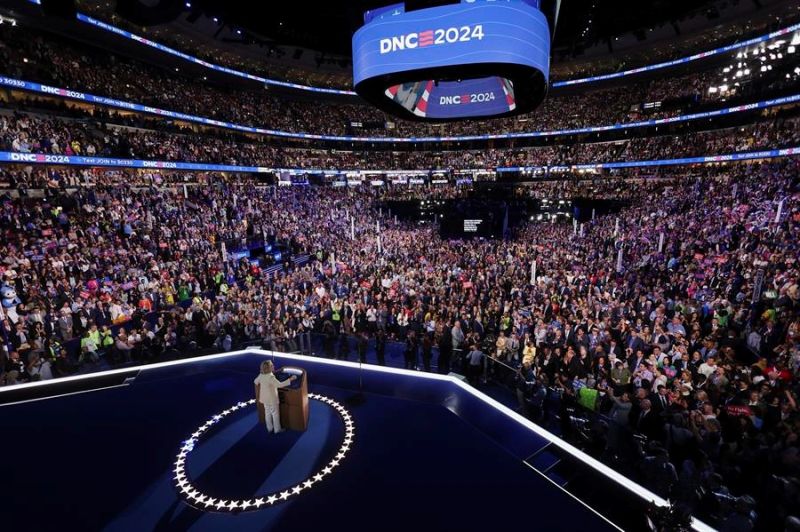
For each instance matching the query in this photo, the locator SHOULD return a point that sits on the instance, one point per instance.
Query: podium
(293, 399)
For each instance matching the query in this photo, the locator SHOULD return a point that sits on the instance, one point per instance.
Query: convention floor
(103, 460)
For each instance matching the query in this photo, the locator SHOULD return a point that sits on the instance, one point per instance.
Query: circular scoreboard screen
(476, 58)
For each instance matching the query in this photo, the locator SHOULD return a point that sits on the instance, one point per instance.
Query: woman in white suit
(267, 396)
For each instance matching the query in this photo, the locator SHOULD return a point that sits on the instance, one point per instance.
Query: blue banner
(121, 104)
(731, 157)
(77, 160)
(73, 160)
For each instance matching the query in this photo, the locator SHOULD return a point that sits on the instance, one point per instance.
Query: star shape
(271, 499)
(318, 477)
(307, 484)
(233, 505)
(221, 504)
(296, 490)
(259, 503)
(327, 470)
(210, 502)
(285, 495)
(201, 499)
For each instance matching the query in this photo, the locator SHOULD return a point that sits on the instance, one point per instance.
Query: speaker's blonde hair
(266, 366)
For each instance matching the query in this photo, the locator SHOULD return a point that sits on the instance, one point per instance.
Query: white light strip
(635, 488)
(202, 501)
(551, 481)
(36, 399)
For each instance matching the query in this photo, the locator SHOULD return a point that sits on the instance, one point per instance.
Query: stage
(421, 456)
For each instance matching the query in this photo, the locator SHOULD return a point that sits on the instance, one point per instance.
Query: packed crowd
(669, 341)
(28, 133)
(64, 64)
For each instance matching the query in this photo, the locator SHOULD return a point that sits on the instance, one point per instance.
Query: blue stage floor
(103, 460)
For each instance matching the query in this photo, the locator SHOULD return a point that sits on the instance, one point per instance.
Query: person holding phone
(267, 395)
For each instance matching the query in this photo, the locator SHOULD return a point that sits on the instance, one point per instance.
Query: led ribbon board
(477, 58)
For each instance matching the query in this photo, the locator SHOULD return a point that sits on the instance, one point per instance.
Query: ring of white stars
(205, 502)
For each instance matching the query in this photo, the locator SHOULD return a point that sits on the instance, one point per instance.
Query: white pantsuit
(268, 386)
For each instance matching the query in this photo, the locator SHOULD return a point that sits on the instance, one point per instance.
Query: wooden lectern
(294, 399)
